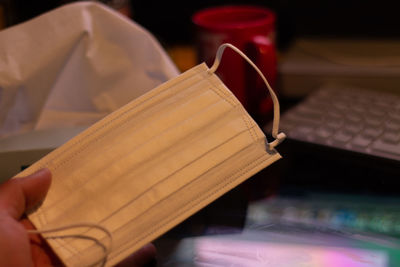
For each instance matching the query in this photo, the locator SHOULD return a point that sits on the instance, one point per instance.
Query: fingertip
(35, 187)
(41, 178)
(44, 173)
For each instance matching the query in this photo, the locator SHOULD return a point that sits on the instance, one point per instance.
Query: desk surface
(268, 238)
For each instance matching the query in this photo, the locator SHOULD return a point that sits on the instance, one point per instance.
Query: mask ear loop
(107, 249)
(279, 137)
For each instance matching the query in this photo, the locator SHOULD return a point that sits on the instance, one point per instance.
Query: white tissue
(73, 65)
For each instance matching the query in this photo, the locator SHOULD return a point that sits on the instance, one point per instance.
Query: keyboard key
(341, 107)
(373, 121)
(305, 129)
(372, 132)
(301, 119)
(391, 138)
(363, 100)
(359, 108)
(353, 128)
(309, 113)
(334, 124)
(302, 132)
(392, 125)
(394, 116)
(324, 132)
(382, 103)
(333, 115)
(361, 141)
(342, 137)
(351, 117)
(392, 149)
(376, 111)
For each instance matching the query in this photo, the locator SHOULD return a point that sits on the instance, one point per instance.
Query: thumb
(22, 194)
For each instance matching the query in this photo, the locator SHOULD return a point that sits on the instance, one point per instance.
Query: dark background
(170, 21)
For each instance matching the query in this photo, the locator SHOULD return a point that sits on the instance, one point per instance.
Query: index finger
(21, 194)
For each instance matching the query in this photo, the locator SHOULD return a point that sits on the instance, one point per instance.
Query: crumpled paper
(74, 65)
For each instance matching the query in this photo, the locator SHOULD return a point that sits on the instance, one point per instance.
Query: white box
(19, 151)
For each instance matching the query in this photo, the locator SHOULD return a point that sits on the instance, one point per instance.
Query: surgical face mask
(146, 167)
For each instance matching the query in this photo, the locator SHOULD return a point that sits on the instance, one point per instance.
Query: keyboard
(347, 118)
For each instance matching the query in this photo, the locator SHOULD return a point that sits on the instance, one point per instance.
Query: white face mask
(149, 165)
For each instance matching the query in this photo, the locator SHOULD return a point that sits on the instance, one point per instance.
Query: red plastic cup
(252, 30)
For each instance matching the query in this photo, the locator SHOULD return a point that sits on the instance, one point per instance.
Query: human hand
(17, 248)
(17, 196)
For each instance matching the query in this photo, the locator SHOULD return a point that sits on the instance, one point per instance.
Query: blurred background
(170, 21)
(313, 185)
